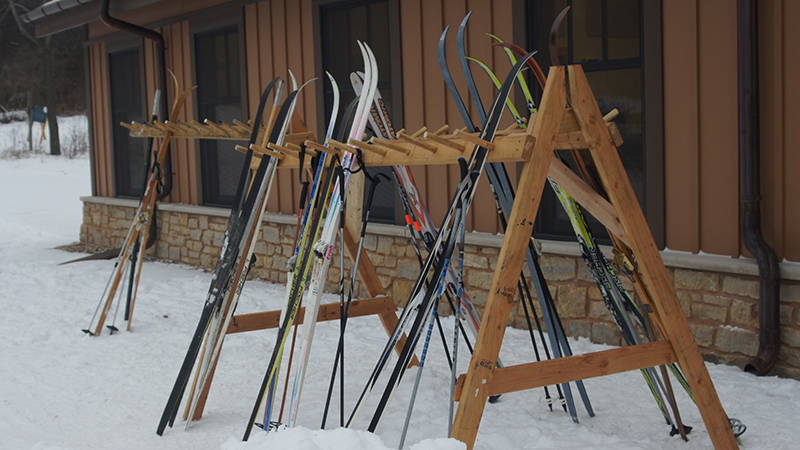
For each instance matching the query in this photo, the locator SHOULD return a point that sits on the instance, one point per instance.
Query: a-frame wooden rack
(378, 302)
(568, 105)
(568, 118)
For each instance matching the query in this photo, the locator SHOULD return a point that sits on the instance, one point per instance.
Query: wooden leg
(502, 298)
(652, 269)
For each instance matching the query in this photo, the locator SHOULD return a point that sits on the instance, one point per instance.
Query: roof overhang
(60, 15)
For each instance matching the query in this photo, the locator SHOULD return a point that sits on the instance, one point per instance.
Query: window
(375, 22)
(127, 104)
(219, 98)
(609, 39)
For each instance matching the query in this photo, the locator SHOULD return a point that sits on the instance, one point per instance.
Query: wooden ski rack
(192, 129)
(377, 303)
(568, 118)
(569, 115)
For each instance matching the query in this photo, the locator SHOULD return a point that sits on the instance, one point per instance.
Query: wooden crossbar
(562, 370)
(242, 323)
(569, 113)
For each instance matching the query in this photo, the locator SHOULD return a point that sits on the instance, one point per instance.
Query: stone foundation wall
(722, 308)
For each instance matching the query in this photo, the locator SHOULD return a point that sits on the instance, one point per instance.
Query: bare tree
(34, 67)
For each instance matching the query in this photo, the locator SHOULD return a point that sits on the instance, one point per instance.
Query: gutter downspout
(750, 191)
(158, 39)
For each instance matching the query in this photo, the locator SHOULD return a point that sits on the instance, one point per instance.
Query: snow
(62, 389)
(72, 132)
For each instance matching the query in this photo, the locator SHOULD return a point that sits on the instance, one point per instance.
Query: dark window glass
(341, 24)
(604, 36)
(219, 98)
(125, 76)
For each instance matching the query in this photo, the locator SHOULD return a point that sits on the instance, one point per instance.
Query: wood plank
(438, 184)
(719, 162)
(596, 205)
(681, 123)
(309, 69)
(243, 323)
(413, 81)
(254, 84)
(773, 103)
(283, 185)
(573, 368)
(654, 274)
(791, 137)
(502, 295)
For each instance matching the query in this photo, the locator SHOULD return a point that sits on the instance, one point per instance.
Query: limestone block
(696, 280)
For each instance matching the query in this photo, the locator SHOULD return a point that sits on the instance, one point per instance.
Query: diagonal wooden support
(582, 121)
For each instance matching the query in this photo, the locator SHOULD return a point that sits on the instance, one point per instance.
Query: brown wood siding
(701, 123)
(700, 119)
(101, 128)
(183, 152)
(278, 38)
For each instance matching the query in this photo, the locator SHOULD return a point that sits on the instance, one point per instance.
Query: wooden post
(623, 213)
(502, 294)
(652, 269)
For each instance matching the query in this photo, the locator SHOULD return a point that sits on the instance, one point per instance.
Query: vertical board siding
(701, 123)
(101, 118)
(183, 152)
(278, 37)
(700, 104)
(413, 76)
(771, 86)
(790, 93)
(719, 162)
(681, 124)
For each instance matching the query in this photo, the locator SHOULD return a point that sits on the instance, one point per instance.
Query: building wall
(722, 307)
(699, 55)
(701, 125)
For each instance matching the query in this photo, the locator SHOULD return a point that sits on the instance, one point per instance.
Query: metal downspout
(750, 191)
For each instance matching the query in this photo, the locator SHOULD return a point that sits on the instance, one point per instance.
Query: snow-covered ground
(73, 133)
(62, 389)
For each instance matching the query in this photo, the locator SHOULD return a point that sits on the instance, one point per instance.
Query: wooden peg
(158, 126)
(390, 145)
(265, 151)
(404, 137)
(475, 140)
(219, 130)
(447, 142)
(198, 127)
(129, 126)
(320, 148)
(243, 127)
(611, 115)
(280, 148)
(367, 147)
(341, 146)
(419, 132)
(441, 129)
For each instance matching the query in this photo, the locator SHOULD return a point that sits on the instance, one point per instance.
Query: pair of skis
(423, 301)
(319, 240)
(236, 254)
(130, 255)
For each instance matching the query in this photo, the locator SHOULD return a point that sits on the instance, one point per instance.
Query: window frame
(209, 21)
(652, 81)
(396, 99)
(118, 44)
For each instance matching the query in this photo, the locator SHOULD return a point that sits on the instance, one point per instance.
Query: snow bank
(301, 438)
(73, 133)
(62, 389)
